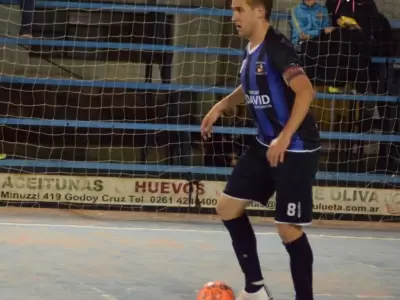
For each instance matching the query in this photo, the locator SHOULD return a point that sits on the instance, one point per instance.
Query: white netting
(116, 92)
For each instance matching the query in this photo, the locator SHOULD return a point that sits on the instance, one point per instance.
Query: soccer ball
(216, 290)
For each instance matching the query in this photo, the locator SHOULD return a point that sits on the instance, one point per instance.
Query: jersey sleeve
(285, 59)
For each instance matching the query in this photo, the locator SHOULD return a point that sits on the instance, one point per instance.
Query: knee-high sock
(245, 246)
(301, 265)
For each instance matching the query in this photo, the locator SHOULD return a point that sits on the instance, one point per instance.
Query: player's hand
(329, 30)
(209, 120)
(355, 27)
(304, 36)
(277, 149)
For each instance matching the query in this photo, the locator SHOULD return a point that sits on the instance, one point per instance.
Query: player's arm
(232, 100)
(237, 96)
(305, 94)
(288, 63)
(224, 105)
(227, 103)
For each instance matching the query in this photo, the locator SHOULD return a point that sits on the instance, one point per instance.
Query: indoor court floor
(51, 254)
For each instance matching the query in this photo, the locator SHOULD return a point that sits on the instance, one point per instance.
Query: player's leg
(250, 180)
(293, 211)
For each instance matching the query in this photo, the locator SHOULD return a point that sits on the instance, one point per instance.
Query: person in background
(333, 52)
(309, 20)
(370, 30)
(353, 14)
(28, 10)
(311, 28)
(363, 15)
(355, 18)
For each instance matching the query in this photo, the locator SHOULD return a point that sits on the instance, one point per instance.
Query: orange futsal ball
(216, 290)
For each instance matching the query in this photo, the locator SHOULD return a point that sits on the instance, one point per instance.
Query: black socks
(245, 246)
(301, 261)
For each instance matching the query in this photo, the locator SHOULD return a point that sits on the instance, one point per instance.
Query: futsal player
(284, 157)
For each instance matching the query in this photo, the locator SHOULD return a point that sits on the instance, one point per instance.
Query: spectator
(354, 17)
(311, 23)
(332, 55)
(373, 25)
(353, 14)
(27, 13)
(374, 39)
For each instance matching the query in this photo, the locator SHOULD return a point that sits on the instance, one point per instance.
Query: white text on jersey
(258, 101)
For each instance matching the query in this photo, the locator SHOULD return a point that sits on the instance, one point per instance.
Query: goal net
(101, 105)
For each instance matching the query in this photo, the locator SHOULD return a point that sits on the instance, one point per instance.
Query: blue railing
(373, 137)
(144, 47)
(173, 87)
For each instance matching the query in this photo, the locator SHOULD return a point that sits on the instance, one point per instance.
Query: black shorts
(254, 179)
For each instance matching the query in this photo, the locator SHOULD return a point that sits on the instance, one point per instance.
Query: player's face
(245, 17)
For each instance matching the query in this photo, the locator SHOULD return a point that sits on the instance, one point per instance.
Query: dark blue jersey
(268, 96)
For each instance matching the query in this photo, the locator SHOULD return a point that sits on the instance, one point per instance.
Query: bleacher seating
(386, 62)
(279, 16)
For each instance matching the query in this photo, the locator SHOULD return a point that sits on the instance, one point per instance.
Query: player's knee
(289, 232)
(229, 208)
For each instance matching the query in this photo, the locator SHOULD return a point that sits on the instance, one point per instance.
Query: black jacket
(375, 26)
(363, 11)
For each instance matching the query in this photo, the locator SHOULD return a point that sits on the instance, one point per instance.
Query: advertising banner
(174, 193)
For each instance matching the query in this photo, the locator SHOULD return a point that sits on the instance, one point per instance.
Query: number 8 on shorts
(292, 209)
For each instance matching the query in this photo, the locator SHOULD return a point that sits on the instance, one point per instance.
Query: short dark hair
(267, 5)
